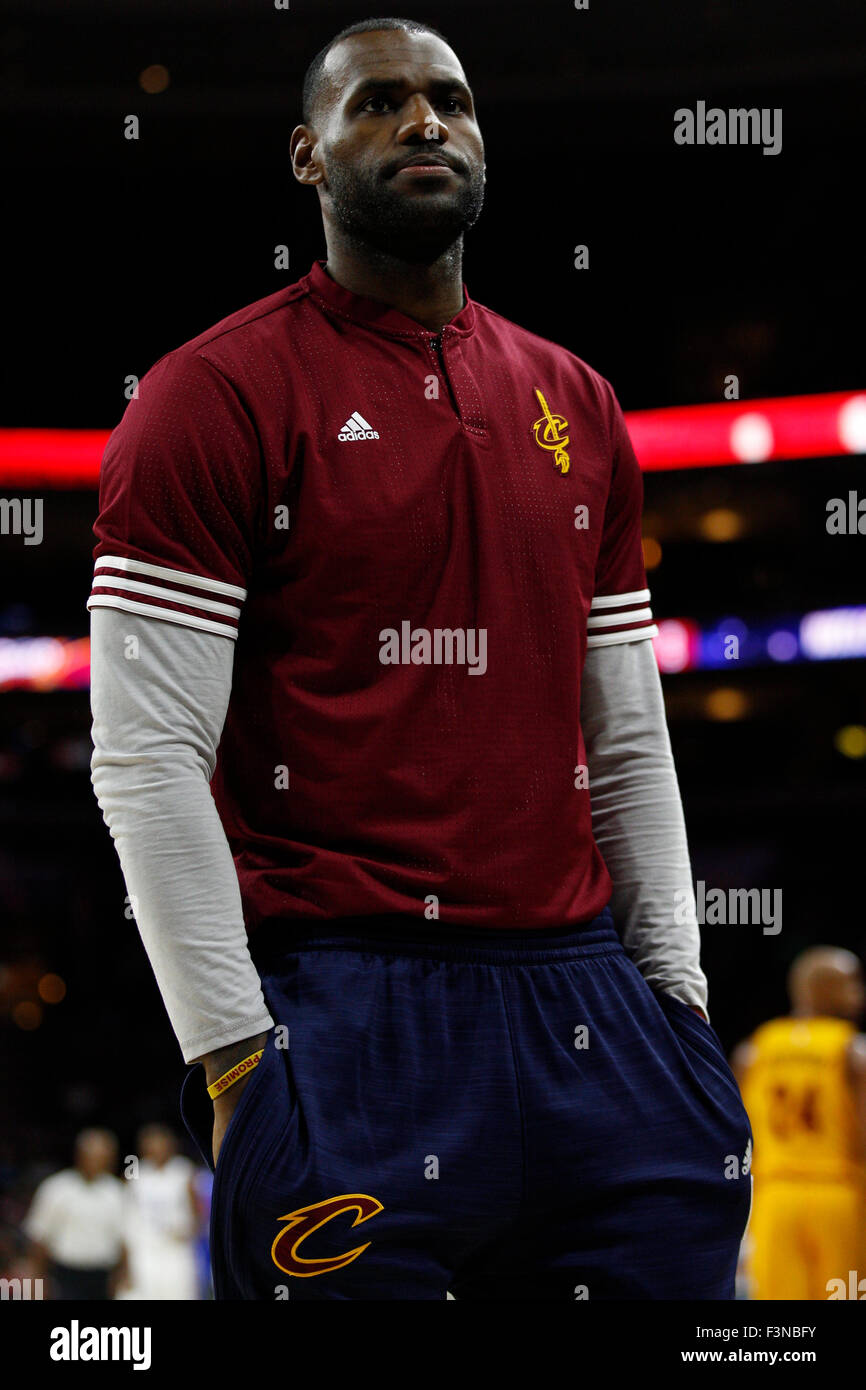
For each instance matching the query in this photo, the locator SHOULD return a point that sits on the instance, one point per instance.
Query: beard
(415, 226)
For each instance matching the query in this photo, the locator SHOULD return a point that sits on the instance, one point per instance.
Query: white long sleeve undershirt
(637, 817)
(157, 721)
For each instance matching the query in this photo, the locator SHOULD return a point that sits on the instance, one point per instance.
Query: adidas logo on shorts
(356, 427)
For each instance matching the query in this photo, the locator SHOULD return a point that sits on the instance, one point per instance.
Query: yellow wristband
(234, 1074)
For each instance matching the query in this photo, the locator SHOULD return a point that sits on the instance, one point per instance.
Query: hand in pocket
(216, 1064)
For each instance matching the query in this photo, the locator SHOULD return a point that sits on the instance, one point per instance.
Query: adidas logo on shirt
(356, 427)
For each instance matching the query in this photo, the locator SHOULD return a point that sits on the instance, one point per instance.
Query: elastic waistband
(406, 937)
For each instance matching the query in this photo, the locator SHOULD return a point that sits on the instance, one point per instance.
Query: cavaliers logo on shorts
(305, 1220)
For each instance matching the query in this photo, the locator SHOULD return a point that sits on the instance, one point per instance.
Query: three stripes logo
(355, 428)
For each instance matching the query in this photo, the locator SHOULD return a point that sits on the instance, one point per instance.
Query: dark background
(703, 262)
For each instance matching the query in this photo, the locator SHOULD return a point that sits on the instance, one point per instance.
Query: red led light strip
(789, 427)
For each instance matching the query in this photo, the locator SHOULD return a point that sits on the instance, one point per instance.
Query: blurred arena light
(850, 741)
(682, 644)
(692, 436)
(44, 663)
(726, 704)
(154, 79)
(788, 427)
(833, 633)
(26, 1015)
(652, 553)
(52, 989)
(721, 524)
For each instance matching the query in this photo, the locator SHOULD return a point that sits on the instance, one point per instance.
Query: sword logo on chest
(550, 431)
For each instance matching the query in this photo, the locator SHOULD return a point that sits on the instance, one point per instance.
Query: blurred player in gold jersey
(803, 1079)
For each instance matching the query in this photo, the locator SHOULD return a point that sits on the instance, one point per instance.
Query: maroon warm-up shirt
(413, 538)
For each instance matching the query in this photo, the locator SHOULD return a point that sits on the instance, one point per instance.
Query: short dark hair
(313, 75)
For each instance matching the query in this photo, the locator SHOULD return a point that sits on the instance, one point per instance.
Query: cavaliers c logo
(549, 431)
(302, 1223)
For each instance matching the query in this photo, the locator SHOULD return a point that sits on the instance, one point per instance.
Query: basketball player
(369, 619)
(161, 1220)
(804, 1085)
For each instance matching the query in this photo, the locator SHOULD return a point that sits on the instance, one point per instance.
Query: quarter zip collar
(379, 317)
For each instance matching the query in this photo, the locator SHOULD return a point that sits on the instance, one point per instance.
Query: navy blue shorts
(498, 1114)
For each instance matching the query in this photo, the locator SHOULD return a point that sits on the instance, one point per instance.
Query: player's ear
(302, 148)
